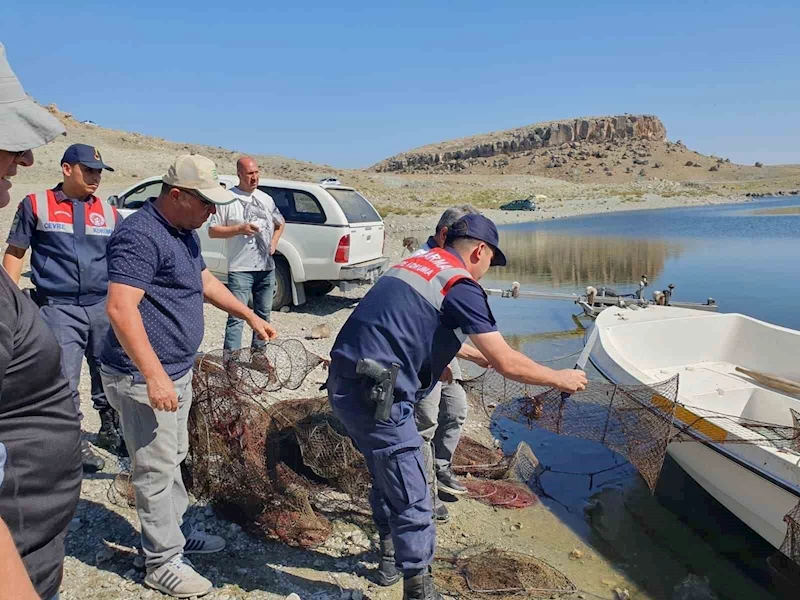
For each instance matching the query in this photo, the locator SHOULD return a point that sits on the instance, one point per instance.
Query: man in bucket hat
(404, 333)
(67, 229)
(40, 463)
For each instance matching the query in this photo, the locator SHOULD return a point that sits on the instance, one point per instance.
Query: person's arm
(276, 235)
(473, 355)
(229, 231)
(122, 306)
(14, 581)
(516, 366)
(19, 239)
(220, 296)
(466, 306)
(12, 262)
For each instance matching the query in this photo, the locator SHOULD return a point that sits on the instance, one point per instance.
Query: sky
(348, 84)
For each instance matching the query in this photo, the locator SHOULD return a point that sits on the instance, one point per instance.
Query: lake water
(741, 255)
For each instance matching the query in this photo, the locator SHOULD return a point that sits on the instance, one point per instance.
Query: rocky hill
(605, 150)
(452, 155)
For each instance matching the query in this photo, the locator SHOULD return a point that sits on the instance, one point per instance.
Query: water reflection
(560, 259)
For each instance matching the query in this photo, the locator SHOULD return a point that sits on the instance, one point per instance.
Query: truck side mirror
(113, 201)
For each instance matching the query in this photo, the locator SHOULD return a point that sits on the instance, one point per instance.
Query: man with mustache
(67, 229)
(251, 227)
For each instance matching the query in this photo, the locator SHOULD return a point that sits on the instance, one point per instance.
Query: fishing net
(269, 465)
(495, 479)
(638, 422)
(501, 573)
(635, 421)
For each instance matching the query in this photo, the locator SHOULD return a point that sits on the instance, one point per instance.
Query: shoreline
(396, 224)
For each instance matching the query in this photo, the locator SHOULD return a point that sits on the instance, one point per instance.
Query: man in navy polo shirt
(417, 317)
(158, 281)
(67, 229)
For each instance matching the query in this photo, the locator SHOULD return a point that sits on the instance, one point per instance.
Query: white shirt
(249, 252)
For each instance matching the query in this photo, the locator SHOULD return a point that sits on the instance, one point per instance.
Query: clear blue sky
(348, 84)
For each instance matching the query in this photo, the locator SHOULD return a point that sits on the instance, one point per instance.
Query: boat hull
(758, 503)
(731, 473)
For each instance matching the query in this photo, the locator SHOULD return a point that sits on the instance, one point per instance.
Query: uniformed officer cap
(478, 227)
(88, 156)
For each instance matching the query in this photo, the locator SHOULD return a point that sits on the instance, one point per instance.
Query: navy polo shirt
(148, 253)
(69, 267)
(393, 323)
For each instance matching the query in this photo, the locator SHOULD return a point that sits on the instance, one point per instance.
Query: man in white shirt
(251, 227)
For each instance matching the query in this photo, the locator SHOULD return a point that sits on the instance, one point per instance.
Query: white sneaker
(199, 542)
(177, 578)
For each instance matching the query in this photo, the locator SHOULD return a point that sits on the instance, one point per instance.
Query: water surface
(744, 256)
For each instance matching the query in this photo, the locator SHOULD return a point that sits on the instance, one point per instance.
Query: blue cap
(480, 228)
(88, 156)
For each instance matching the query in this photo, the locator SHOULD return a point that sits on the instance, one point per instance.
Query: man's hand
(447, 375)
(571, 380)
(249, 228)
(161, 392)
(262, 328)
(272, 248)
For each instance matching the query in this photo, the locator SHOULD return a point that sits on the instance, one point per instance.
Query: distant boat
(738, 388)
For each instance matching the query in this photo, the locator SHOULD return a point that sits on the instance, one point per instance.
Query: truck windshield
(354, 206)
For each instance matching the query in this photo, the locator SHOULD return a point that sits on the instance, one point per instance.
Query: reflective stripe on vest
(53, 216)
(431, 275)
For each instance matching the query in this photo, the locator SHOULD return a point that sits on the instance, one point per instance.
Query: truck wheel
(282, 294)
(318, 288)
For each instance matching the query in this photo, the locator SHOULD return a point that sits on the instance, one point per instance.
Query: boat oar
(773, 381)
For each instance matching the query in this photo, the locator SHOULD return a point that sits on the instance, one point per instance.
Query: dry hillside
(615, 160)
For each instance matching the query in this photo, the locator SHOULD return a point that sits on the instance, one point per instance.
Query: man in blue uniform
(410, 326)
(67, 229)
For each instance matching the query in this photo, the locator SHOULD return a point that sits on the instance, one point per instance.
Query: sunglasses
(193, 195)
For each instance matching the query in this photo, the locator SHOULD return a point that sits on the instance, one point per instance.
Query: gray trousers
(158, 442)
(440, 419)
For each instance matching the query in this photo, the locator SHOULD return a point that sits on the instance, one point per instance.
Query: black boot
(108, 437)
(420, 587)
(91, 462)
(123, 449)
(387, 573)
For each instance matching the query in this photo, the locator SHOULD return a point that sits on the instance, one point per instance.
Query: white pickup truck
(333, 236)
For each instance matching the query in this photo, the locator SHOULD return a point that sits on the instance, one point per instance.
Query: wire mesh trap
(638, 422)
(500, 573)
(270, 466)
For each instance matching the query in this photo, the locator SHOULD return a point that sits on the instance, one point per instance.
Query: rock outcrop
(449, 155)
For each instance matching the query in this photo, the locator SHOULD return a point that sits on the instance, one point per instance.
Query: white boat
(758, 481)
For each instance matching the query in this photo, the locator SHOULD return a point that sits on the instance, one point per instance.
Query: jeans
(80, 332)
(158, 442)
(259, 286)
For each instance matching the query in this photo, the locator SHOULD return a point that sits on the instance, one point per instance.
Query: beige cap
(198, 173)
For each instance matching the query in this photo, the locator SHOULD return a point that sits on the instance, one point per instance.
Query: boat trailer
(595, 300)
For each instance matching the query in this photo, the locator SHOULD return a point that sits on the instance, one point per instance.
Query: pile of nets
(502, 574)
(271, 466)
(285, 468)
(495, 479)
